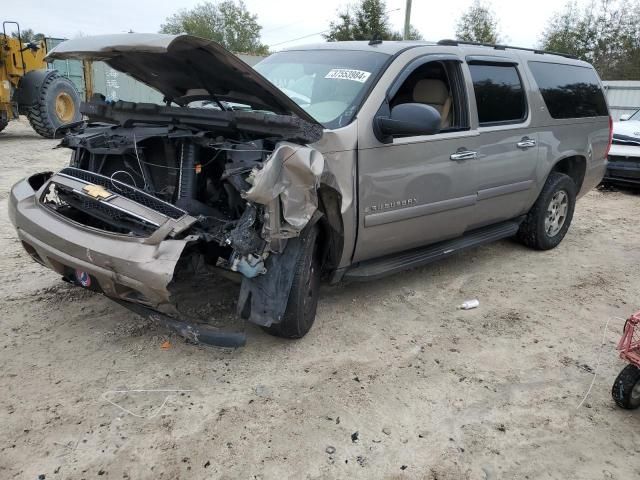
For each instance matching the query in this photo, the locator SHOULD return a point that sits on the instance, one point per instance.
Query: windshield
(328, 84)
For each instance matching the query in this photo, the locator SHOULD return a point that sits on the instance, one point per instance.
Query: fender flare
(29, 87)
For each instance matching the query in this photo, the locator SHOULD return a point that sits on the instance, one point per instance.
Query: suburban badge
(393, 204)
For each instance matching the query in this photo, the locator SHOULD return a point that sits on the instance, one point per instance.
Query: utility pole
(407, 20)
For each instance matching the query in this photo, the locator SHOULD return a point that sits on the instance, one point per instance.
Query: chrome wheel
(556, 213)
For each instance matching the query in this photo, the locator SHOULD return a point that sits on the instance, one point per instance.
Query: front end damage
(159, 201)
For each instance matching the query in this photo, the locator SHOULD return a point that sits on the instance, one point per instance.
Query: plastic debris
(469, 304)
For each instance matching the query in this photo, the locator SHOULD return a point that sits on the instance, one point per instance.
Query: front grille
(94, 213)
(127, 191)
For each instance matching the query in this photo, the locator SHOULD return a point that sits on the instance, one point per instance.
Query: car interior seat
(434, 92)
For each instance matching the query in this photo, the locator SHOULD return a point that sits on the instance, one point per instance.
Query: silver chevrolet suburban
(348, 160)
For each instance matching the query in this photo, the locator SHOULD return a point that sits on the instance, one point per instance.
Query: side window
(569, 91)
(499, 94)
(439, 84)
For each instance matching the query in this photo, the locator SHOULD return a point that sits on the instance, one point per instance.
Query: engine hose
(187, 181)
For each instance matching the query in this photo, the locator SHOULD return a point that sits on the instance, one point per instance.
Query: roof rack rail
(455, 43)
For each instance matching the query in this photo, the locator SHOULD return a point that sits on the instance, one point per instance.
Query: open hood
(177, 64)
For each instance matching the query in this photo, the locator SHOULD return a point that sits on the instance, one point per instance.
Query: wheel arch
(574, 166)
(331, 225)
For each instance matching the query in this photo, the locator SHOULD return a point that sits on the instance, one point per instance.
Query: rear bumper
(125, 268)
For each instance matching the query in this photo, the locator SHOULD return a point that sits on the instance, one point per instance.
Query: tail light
(606, 154)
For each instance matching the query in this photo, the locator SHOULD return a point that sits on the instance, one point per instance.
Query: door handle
(526, 143)
(464, 155)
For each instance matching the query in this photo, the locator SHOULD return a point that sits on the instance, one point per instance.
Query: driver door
(417, 190)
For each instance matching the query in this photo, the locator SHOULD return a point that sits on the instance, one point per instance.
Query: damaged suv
(340, 160)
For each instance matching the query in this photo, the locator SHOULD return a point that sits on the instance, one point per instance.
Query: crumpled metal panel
(293, 174)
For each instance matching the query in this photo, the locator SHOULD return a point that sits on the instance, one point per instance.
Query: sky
(283, 21)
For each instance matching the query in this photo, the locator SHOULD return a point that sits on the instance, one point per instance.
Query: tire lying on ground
(547, 222)
(58, 104)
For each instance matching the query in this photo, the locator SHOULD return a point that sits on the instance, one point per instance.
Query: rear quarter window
(569, 91)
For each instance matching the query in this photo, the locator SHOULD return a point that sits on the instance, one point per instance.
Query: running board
(397, 262)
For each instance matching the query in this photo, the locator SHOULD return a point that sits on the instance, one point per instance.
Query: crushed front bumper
(134, 271)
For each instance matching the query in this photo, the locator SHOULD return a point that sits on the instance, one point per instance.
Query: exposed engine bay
(232, 184)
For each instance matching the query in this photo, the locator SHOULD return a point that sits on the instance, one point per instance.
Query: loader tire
(57, 105)
(3, 125)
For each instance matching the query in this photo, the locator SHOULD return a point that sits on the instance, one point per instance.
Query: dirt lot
(392, 382)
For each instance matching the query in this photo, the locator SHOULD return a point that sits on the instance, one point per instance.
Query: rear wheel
(303, 297)
(57, 105)
(547, 222)
(3, 125)
(626, 388)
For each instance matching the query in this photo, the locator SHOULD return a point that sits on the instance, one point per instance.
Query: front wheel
(547, 222)
(303, 297)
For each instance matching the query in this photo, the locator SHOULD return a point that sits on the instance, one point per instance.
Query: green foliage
(364, 21)
(478, 24)
(29, 36)
(604, 33)
(227, 22)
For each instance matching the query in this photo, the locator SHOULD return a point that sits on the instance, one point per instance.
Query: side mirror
(625, 117)
(409, 119)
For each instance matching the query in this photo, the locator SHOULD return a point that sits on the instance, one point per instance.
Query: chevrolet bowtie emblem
(97, 191)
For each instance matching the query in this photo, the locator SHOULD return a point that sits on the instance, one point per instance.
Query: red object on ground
(629, 345)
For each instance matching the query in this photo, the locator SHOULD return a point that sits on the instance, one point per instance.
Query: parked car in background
(347, 160)
(624, 155)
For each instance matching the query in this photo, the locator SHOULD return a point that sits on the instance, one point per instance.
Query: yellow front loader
(48, 99)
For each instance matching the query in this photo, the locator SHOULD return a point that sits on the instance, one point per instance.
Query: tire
(626, 388)
(535, 232)
(303, 297)
(3, 125)
(57, 104)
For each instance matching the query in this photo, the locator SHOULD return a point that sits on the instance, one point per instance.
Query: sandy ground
(392, 382)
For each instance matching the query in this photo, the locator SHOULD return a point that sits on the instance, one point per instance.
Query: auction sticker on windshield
(348, 74)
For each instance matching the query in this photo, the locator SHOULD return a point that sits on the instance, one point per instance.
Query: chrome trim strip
(381, 218)
(504, 189)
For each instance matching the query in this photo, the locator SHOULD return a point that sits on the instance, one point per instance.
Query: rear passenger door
(507, 151)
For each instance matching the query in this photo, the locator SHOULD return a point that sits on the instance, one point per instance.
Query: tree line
(605, 33)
